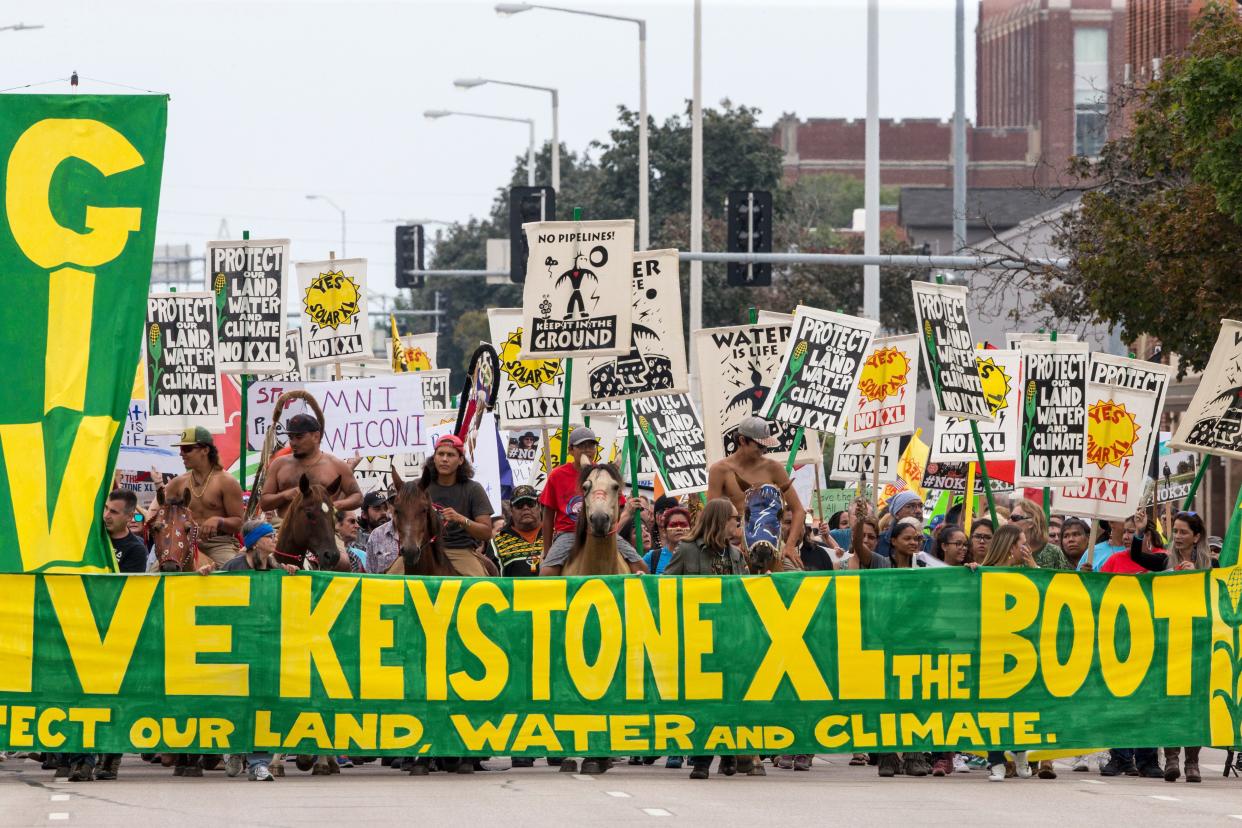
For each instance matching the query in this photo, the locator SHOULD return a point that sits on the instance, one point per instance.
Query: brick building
(1043, 71)
(1156, 30)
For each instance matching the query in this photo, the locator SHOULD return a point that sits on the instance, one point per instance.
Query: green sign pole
(569, 381)
(245, 383)
(631, 448)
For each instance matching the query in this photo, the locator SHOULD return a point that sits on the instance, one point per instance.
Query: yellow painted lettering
(377, 680)
(434, 617)
(831, 732)
(536, 732)
(144, 732)
(49, 717)
(487, 735)
(625, 734)
(101, 662)
(305, 638)
(494, 660)
(540, 597)
(349, 730)
(309, 726)
(860, 672)
(1024, 729)
(646, 640)
(185, 638)
(721, 736)
(1066, 593)
(1181, 601)
(1124, 677)
(695, 592)
(399, 731)
(671, 730)
(214, 732)
(175, 738)
(787, 653)
(1008, 604)
(16, 633)
(930, 729)
(90, 718)
(592, 679)
(963, 730)
(581, 726)
(264, 736)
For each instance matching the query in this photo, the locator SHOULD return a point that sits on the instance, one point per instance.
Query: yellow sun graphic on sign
(883, 374)
(996, 384)
(1111, 433)
(416, 359)
(529, 373)
(332, 300)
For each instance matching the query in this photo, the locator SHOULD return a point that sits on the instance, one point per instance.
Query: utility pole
(959, 128)
(871, 165)
(696, 183)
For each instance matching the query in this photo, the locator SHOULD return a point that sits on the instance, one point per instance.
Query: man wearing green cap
(213, 497)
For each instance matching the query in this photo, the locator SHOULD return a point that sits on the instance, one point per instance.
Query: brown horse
(175, 536)
(595, 538)
(418, 527)
(308, 533)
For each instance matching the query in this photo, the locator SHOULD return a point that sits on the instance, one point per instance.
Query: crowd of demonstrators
(678, 536)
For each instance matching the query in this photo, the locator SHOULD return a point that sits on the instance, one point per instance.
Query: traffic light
(750, 231)
(526, 204)
(410, 255)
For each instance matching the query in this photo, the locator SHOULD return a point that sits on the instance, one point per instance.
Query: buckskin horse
(595, 553)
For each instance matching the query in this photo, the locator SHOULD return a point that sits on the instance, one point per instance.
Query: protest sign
(183, 378)
(333, 297)
(1118, 437)
(1054, 414)
(247, 279)
(949, 350)
(576, 300)
(1137, 375)
(855, 462)
(367, 686)
(1175, 472)
(419, 351)
(532, 391)
(951, 477)
(818, 369)
(82, 190)
(672, 437)
(261, 399)
(141, 451)
(952, 441)
(373, 417)
(656, 361)
(436, 393)
(374, 474)
(744, 361)
(1213, 422)
(881, 402)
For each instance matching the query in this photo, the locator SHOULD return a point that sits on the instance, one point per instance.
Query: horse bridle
(191, 539)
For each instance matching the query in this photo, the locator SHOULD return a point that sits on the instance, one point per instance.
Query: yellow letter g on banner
(34, 160)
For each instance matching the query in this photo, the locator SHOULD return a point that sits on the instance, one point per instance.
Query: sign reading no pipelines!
(318, 663)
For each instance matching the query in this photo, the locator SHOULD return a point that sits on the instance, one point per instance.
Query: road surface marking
(656, 812)
(1095, 782)
(55, 815)
(618, 794)
(60, 797)
(584, 777)
(1165, 798)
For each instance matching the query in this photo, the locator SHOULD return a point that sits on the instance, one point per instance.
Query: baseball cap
(196, 436)
(302, 424)
(524, 493)
(376, 498)
(1215, 542)
(757, 429)
(581, 435)
(451, 440)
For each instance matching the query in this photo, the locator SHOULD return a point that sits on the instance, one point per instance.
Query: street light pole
(530, 122)
(871, 166)
(696, 183)
(644, 224)
(470, 83)
(339, 210)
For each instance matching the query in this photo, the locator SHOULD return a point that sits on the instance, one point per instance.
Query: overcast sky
(275, 100)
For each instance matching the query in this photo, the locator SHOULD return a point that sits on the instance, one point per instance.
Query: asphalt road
(831, 792)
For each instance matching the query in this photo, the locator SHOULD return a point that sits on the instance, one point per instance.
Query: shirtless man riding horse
(305, 433)
(214, 497)
(759, 488)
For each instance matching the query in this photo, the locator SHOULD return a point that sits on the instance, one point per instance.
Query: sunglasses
(188, 449)
(1018, 518)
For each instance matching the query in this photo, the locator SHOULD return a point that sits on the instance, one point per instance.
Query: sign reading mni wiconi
(672, 436)
(1053, 451)
(881, 403)
(818, 369)
(247, 279)
(949, 351)
(333, 298)
(656, 361)
(183, 377)
(576, 300)
(953, 442)
(886, 660)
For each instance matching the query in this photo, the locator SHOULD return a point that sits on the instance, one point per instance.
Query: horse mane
(269, 444)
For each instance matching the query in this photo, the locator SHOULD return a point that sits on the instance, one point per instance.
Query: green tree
(1156, 242)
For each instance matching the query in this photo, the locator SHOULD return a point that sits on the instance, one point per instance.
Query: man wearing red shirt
(562, 501)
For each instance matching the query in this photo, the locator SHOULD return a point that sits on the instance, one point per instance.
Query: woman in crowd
(1009, 547)
(950, 545)
(674, 526)
(1030, 517)
(1188, 550)
(347, 525)
(865, 536)
(906, 540)
(708, 550)
(981, 530)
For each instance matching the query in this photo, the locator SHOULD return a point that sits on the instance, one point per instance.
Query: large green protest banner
(81, 178)
(874, 661)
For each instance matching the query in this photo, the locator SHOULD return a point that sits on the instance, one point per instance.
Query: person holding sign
(745, 474)
(305, 434)
(213, 497)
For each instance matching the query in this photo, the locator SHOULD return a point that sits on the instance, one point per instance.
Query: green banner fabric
(81, 178)
(799, 663)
